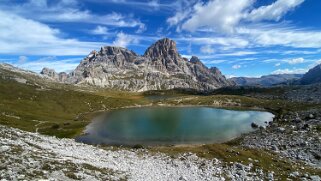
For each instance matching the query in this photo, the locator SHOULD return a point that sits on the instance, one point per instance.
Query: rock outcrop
(51, 73)
(160, 68)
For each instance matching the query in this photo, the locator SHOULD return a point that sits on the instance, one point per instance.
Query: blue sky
(240, 37)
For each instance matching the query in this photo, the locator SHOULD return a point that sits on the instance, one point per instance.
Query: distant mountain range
(160, 68)
(267, 80)
(313, 76)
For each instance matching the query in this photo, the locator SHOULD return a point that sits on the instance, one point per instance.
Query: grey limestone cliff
(160, 68)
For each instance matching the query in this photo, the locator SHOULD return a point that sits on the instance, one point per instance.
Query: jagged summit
(160, 68)
(163, 48)
(114, 50)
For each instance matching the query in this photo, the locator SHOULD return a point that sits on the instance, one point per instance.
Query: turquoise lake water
(171, 125)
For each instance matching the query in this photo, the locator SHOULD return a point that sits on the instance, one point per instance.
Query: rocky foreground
(30, 156)
(295, 136)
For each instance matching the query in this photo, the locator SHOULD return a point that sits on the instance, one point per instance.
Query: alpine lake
(172, 126)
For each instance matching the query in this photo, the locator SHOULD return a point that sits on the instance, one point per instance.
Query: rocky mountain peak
(114, 50)
(160, 68)
(312, 76)
(215, 70)
(163, 48)
(49, 72)
(195, 60)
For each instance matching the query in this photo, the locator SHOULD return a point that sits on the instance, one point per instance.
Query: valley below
(40, 117)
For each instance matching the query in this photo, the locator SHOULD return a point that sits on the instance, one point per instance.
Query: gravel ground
(26, 156)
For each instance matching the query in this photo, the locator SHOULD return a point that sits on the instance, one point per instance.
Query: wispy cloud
(100, 30)
(236, 66)
(60, 65)
(207, 49)
(41, 39)
(290, 71)
(295, 61)
(70, 11)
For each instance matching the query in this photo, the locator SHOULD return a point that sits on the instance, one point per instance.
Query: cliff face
(312, 76)
(160, 68)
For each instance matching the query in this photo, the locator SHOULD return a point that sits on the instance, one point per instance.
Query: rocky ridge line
(160, 68)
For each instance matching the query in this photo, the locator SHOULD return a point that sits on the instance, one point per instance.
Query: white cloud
(215, 61)
(100, 30)
(225, 42)
(138, 4)
(273, 11)
(230, 76)
(22, 59)
(224, 16)
(236, 66)
(272, 35)
(69, 11)
(183, 9)
(154, 4)
(239, 53)
(277, 64)
(60, 65)
(295, 61)
(221, 15)
(19, 35)
(290, 71)
(123, 40)
(207, 49)
(314, 63)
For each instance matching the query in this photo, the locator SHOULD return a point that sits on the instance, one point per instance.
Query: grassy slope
(60, 111)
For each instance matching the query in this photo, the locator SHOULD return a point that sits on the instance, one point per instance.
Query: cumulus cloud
(123, 40)
(277, 64)
(221, 15)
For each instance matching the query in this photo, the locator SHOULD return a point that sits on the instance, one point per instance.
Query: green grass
(25, 106)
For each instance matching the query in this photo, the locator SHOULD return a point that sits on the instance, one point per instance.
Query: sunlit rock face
(160, 68)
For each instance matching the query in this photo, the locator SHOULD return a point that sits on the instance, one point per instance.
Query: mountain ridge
(266, 80)
(160, 68)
